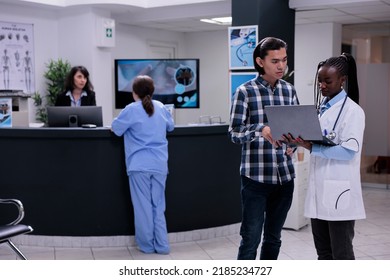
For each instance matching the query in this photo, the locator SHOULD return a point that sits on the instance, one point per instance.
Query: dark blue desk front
(73, 182)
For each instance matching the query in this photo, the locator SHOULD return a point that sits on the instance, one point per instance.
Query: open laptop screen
(299, 120)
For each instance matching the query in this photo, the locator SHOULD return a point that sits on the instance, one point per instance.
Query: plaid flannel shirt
(260, 161)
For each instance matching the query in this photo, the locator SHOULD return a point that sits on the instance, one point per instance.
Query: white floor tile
(112, 253)
(375, 250)
(188, 251)
(73, 254)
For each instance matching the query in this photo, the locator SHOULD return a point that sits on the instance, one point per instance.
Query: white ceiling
(185, 18)
(185, 15)
(360, 18)
(181, 18)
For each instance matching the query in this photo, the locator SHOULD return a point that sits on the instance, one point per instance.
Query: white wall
(313, 43)
(210, 47)
(77, 44)
(133, 42)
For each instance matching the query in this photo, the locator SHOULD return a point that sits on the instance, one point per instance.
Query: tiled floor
(372, 241)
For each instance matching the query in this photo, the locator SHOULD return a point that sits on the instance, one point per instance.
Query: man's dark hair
(262, 48)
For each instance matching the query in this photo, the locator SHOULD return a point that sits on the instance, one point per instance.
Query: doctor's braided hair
(143, 86)
(346, 66)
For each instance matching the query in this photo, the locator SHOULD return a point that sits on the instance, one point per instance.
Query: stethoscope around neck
(332, 134)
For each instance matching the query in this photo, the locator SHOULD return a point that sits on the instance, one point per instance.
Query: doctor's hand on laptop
(298, 141)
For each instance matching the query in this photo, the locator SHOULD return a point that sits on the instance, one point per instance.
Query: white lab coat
(334, 191)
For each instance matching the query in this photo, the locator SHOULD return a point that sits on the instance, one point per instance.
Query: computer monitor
(67, 116)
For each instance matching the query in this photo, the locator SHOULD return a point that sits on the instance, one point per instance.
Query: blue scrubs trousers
(148, 197)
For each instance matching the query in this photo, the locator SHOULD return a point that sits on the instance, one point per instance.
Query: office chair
(13, 229)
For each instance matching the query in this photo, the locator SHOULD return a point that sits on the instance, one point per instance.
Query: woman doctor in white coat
(334, 198)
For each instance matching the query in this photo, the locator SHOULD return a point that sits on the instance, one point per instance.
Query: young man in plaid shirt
(267, 171)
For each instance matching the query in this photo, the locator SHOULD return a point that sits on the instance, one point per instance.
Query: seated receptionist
(78, 89)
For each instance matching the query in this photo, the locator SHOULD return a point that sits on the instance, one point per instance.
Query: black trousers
(333, 239)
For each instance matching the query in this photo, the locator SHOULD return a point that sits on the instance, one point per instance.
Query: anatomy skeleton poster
(16, 57)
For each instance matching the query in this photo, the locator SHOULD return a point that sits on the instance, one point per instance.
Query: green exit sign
(108, 32)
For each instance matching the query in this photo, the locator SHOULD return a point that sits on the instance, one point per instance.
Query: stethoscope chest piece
(331, 135)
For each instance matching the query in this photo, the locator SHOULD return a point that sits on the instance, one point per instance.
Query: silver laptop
(299, 120)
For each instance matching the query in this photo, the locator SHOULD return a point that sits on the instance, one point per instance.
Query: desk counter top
(100, 131)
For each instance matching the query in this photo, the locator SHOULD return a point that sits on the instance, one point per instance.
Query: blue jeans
(333, 239)
(263, 205)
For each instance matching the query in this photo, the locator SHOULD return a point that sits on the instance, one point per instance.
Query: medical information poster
(16, 57)
(5, 112)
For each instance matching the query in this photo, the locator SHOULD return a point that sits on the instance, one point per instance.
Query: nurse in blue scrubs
(144, 124)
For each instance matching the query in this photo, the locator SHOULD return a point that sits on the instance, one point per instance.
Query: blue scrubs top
(146, 145)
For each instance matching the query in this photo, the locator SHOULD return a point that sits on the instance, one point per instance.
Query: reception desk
(73, 182)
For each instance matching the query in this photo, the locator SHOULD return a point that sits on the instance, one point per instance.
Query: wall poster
(5, 112)
(237, 79)
(242, 42)
(16, 57)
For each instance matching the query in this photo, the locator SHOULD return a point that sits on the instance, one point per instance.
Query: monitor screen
(176, 81)
(67, 116)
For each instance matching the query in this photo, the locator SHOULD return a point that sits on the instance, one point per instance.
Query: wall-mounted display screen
(176, 81)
